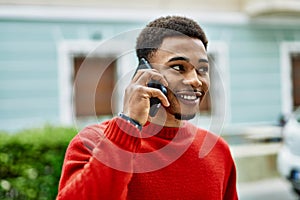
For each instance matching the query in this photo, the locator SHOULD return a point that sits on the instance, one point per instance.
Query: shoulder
(88, 137)
(93, 131)
(210, 142)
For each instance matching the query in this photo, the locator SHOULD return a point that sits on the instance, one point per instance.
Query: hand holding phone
(155, 103)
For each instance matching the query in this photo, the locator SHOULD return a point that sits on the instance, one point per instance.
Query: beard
(180, 116)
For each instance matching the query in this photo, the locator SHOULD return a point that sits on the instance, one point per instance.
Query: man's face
(183, 62)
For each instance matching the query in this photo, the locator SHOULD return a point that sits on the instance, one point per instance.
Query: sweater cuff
(123, 134)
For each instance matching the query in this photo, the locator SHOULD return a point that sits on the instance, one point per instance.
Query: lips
(189, 98)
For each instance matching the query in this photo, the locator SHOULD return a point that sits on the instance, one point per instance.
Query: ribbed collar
(169, 133)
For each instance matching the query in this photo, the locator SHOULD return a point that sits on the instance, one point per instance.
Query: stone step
(255, 161)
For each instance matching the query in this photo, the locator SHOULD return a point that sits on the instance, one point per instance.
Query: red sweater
(104, 162)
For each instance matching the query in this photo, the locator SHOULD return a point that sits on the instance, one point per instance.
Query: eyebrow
(186, 59)
(203, 60)
(179, 58)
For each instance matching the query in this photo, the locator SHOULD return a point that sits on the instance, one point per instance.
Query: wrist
(131, 121)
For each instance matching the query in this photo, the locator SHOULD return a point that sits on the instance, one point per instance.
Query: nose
(192, 79)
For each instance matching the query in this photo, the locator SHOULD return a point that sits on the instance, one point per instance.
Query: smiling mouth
(189, 97)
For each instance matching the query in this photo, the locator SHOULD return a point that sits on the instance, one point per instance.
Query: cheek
(206, 84)
(173, 81)
(170, 95)
(174, 103)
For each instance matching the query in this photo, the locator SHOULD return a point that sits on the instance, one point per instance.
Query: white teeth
(188, 97)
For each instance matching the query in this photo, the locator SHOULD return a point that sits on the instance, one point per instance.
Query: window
(88, 71)
(290, 76)
(215, 106)
(205, 106)
(94, 80)
(296, 79)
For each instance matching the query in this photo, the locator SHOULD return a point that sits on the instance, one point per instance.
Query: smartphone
(155, 103)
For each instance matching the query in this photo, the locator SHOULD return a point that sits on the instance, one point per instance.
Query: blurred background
(52, 54)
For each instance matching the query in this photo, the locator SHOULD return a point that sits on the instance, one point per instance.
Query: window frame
(287, 49)
(220, 108)
(68, 49)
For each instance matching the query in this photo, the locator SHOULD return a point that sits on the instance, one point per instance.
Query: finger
(146, 75)
(138, 74)
(154, 92)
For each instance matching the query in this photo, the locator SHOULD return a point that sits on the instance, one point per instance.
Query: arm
(95, 165)
(98, 163)
(231, 190)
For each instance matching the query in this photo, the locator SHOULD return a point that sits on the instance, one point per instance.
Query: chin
(181, 111)
(180, 116)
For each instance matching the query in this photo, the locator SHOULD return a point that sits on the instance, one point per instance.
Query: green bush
(31, 161)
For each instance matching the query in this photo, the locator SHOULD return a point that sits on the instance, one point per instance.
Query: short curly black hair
(152, 36)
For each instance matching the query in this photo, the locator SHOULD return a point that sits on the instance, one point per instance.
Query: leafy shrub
(31, 161)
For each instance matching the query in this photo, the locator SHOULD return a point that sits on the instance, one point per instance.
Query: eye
(202, 70)
(178, 67)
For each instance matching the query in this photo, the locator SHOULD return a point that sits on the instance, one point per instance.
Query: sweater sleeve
(98, 162)
(231, 192)
(231, 184)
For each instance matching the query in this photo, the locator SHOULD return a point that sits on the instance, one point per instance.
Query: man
(136, 156)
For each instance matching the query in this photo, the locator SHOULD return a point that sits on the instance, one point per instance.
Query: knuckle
(138, 89)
